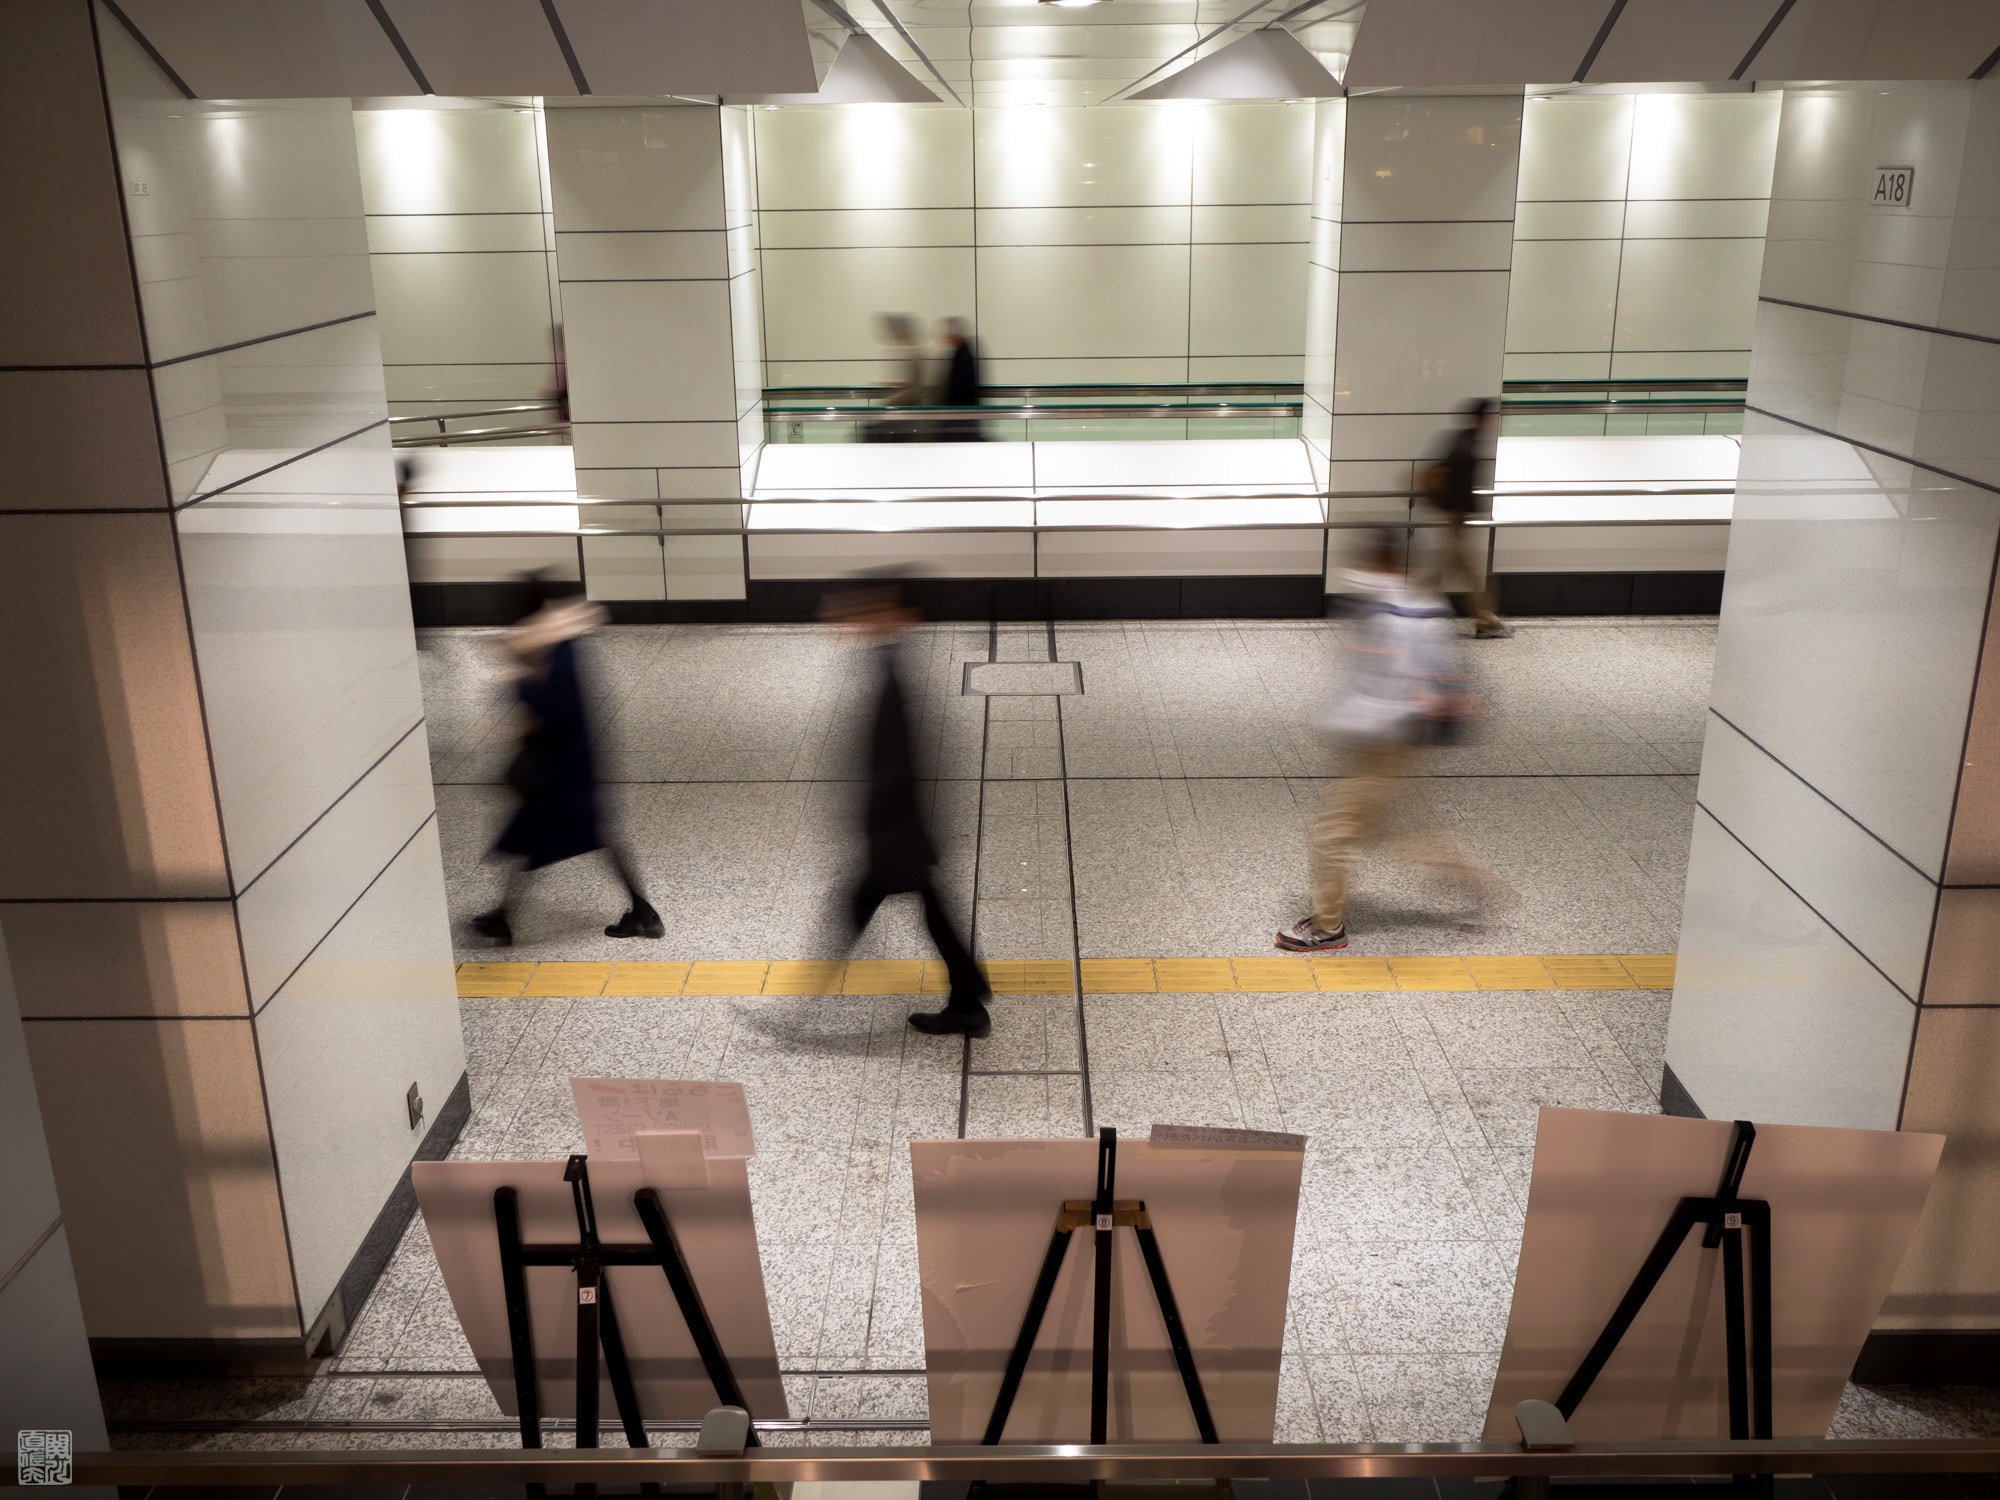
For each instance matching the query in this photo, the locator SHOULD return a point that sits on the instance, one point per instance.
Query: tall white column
(220, 884)
(656, 255)
(1843, 892)
(1425, 237)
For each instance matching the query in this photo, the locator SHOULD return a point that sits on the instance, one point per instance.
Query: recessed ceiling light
(1069, 4)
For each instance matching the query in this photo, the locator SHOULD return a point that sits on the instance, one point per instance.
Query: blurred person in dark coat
(900, 853)
(961, 382)
(1458, 487)
(554, 771)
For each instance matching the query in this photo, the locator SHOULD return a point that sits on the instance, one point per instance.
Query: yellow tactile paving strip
(1101, 976)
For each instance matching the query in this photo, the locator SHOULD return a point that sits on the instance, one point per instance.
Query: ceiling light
(1070, 4)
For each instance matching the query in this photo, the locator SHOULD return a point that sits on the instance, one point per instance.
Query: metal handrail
(1017, 413)
(474, 435)
(1029, 392)
(1038, 1463)
(491, 411)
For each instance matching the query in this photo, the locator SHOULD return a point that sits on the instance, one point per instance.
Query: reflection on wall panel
(1133, 242)
(462, 246)
(1640, 235)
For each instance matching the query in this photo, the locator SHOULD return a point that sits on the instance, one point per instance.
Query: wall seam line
(32, 1251)
(1905, 994)
(272, 863)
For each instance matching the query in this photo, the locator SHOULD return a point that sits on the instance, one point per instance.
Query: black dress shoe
(494, 924)
(640, 921)
(953, 1023)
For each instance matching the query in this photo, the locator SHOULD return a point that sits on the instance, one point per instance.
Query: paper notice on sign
(615, 1110)
(1213, 1138)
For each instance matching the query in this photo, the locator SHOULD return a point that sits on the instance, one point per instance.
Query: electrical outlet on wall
(416, 1102)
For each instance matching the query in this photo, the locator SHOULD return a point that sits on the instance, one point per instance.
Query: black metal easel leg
(619, 1370)
(588, 1274)
(520, 1336)
(1103, 1216)
(653, 1214)
(1170, 1314)
(1635, 1298)
(1024, 1342)
(1757, 1217)
(1736, 1351)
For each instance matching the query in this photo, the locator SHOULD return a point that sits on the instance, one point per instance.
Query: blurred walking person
(554, 772)
(1459, 488)
(961, 382)
(1402, 693)
(906, 385)
(900, 853)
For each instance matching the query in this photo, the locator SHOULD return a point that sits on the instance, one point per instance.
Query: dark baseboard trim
(1608, 593)
(1674, 1097)
(1930, 1356)
(143, 1358)
(1279, 597)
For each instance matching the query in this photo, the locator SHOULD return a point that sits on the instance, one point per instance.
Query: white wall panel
(1857, 598)
(823, 304)
(1831, 862)
(1419, 342)
(1688, 294)
(856, 228)
(1426, 247)
(1246, 300)
(372, 1011)
(661, 351)
(1575, 148)
(479, 309)
(448, 161)
(1406, 158)
(1085, 226)
(1084, 300)
(878, 157)
(1252, 152)
(640, 255)
(1118, 154)
(1703, 145)
(1563, 296)
(612, 171)
(1774, 1016)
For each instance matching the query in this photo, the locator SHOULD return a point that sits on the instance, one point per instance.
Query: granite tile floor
(1160, 812)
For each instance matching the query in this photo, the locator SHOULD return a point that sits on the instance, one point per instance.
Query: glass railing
(1621, 408)
(1039, 413)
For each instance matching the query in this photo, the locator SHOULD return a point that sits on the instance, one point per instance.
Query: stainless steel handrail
(490, 411)
(1016, 413)
(1038, 1463)
(1029, 392)
(474, 435)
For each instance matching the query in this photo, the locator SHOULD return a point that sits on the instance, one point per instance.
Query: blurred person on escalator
(554, 770)
(961, 382)
(1403, 691)
(1459, 488)
(906, 385)
(899, 848)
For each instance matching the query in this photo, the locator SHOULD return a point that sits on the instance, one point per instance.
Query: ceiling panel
(690, 46)
(1857, 39)
(1420, 43)
(1679, 41)
(274, 49)
(480, 47)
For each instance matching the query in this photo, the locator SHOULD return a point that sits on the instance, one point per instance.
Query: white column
(652, 291)
(1844, 887)
(1425, 237)
(223, 897)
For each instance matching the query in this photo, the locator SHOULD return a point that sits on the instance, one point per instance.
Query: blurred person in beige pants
(1402, 693)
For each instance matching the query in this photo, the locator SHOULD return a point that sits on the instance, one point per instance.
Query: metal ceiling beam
(1770, 28)
(922, 56)
(402, 47)
(1597, 42)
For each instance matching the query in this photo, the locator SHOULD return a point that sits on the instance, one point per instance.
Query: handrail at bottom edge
(1038, 1463)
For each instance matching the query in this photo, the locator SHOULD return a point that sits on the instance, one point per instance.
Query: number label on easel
(1732, 1221)
(586, 1295)
(1103, 1221)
